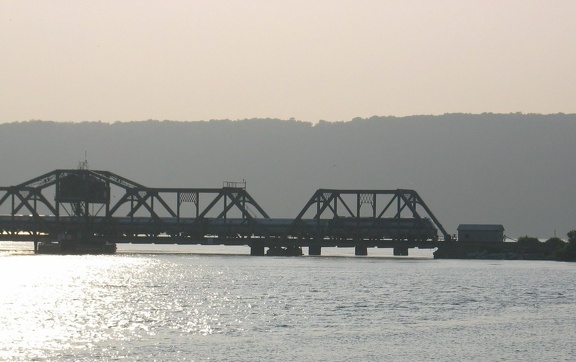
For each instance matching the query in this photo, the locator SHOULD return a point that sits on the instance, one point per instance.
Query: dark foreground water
(185, 307)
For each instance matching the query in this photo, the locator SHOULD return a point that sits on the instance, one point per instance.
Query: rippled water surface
(239, 308)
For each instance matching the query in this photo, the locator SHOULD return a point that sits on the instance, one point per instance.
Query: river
(153, 305)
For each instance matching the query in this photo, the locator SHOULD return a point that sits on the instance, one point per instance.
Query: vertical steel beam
(57, 199)
(335, 207)
(178, 203)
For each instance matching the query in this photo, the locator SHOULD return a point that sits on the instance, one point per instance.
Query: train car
(382, 229)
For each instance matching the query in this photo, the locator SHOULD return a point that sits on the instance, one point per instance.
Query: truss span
(98, 206)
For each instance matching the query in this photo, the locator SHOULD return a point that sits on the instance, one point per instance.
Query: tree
(528, 241)
(555, 243)
(568, 252)
(572, 237)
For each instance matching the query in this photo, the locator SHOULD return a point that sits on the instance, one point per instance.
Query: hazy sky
(326, 59)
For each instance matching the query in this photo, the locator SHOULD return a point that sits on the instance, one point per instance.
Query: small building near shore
(481, 233)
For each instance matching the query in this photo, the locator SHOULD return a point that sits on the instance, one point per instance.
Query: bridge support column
(400, 251)
(361, 250)
(257, 250)
(315, 250)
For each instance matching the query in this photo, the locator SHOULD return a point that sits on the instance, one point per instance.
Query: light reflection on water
(200, 307)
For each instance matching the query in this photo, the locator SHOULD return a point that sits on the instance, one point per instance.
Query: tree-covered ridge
(510, 169)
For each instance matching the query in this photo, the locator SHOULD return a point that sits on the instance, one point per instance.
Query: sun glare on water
(63, 302)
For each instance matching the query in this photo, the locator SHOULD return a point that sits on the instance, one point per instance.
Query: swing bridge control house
(489, 233)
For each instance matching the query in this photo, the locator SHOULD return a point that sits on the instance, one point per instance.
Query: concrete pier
(257, 250)
(361, 250)
(401, 251)
(315, 250)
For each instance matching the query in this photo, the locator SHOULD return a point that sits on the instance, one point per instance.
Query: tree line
(561, 250)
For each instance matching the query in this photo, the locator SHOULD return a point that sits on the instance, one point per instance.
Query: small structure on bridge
(488, 233)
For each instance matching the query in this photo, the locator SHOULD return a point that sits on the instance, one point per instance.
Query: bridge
(82, 210)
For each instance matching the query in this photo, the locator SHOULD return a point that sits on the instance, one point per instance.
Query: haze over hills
(513, 169)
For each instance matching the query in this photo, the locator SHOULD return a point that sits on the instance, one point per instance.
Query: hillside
(513, 169)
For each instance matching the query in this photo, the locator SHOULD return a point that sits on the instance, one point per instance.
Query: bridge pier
(400, 251)
(361, 250)
(315, 250)
(257, 250)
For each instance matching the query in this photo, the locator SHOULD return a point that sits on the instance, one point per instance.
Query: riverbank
(497, 250)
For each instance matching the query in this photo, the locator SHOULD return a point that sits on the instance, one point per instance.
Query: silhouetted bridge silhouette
(82, 210)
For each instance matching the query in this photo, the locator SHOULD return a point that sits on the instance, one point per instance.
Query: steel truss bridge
(82, 208)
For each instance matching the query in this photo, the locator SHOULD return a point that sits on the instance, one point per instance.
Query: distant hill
(513, 169)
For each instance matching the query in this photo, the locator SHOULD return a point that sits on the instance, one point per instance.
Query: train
(337, 228)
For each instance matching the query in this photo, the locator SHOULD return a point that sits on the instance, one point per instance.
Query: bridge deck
(342, 232)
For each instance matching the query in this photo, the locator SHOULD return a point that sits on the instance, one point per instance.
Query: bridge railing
(234, 184)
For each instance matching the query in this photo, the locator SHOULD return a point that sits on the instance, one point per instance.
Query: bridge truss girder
(105, 205)
(390, 205)
(117, 198)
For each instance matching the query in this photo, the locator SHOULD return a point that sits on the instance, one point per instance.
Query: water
(190, 307)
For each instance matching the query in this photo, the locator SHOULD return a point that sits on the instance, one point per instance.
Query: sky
(332, 60)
